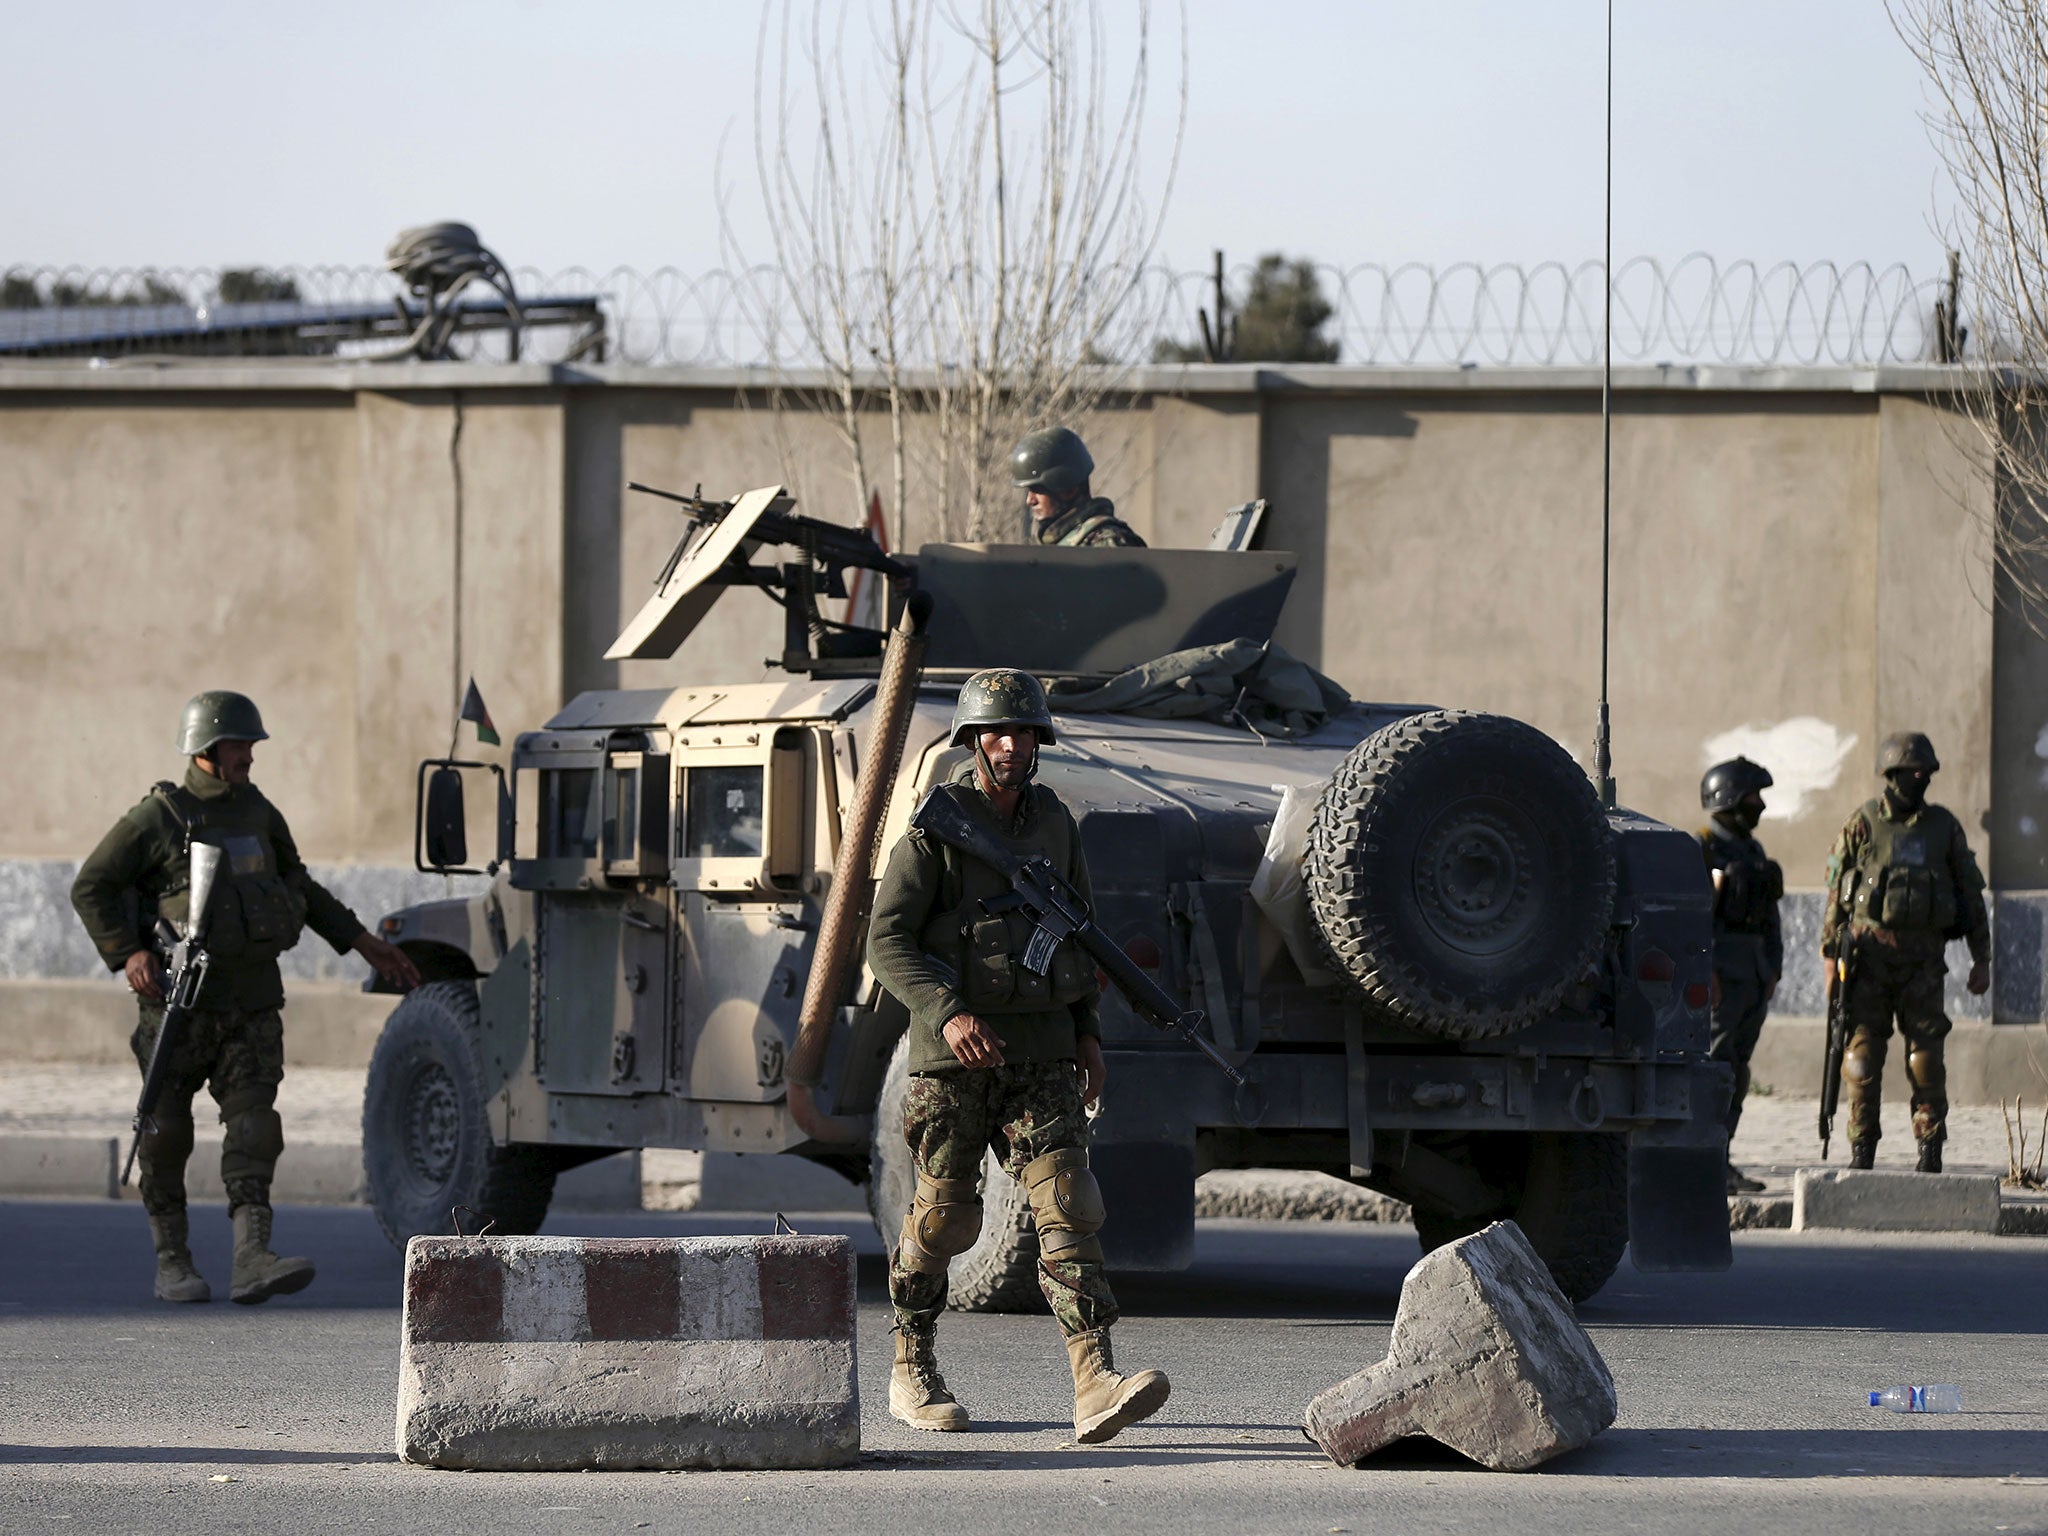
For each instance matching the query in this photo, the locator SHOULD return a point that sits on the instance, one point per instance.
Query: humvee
(1479, 990)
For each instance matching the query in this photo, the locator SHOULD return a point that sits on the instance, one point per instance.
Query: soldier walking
(1001, 1058)
(234, 1042)
(1052, 469)
(1749, 943)
(1901, 883)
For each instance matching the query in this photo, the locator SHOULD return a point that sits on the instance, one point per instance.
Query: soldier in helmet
(1002, 1058)
(1901, 883)
(234, 1042)
(1052, 468)
(1749, 944)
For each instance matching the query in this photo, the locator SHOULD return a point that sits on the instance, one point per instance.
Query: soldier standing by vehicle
(1001, 1057)
(235, 1041)
(1901, 883)
(1052, 468)
(1749, 943)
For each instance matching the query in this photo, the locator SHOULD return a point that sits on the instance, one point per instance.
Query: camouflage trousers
(1887, 984)
(239, 1058)
(1020, 1112)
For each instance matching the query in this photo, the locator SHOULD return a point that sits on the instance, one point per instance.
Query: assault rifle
(1051, 902)
(188, 962)
(1838, 1043)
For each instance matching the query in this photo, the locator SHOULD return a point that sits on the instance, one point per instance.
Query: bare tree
(1987, 64)
(960, 218)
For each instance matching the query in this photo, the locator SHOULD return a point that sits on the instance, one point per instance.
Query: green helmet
(217, 715)
(1001, 696)
(1052, 460)
(1907, 749)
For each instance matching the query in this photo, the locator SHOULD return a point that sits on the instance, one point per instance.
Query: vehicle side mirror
(445, 823)
(441, 818)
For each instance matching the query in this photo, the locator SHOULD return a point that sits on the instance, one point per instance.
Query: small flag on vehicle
(473, 709)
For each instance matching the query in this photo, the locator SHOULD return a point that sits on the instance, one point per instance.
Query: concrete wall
(1798, 569)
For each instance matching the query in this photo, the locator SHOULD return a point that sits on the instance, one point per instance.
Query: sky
(296, 133)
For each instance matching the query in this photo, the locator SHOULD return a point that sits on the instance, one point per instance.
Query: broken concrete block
(1486, 1357)
(560, 1353)
(1887, 1200)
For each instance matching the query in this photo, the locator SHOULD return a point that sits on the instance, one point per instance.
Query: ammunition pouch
(1909, 900)
(1066, 1206)
(1748, 896)
(993, 976)
(944, 1220)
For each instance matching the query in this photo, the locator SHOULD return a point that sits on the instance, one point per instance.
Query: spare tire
(1461, 872)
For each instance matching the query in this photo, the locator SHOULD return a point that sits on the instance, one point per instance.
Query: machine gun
(1051, 902)
(1838, 1043)
(188, 963)
(822, 555)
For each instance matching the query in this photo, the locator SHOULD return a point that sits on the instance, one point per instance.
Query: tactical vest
(1903, 880)
(985, 948)
(256, 914)
(1751, 885)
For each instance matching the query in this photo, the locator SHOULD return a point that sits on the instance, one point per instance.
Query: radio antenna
(1603, 758)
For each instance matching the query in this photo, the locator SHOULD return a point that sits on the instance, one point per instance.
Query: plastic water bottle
(1941, 1399)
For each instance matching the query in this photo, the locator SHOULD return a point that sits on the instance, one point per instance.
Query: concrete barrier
(1882, 1200)
(66, 1167)
(553, 1353)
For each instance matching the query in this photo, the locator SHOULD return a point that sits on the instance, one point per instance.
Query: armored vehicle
(1443, 968)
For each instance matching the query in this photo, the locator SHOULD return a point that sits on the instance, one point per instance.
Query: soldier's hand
(388, 961)
(145, 974)
(1094, 1070)
(1980, 978)
(972, 1042)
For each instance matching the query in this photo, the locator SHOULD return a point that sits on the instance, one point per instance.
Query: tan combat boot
(259, 1273)
(176, 1279)
(1105, 1402)
(917, 1392)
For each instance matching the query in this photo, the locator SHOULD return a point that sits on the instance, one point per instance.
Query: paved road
(1740, 1400)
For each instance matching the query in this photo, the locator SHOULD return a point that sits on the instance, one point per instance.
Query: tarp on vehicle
(1238, 682)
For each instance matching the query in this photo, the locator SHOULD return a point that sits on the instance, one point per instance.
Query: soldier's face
(231, 760)
(1041, 504)
(1010, 753)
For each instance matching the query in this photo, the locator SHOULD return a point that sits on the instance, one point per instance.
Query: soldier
(1052, 469)
(1000, 1058)
(234, 1041)
(1749, 944)
(1901, 884)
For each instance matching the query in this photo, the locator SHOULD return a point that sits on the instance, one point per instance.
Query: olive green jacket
(143, 859)
(1860, 854)
(1088, 524)
(925, 882)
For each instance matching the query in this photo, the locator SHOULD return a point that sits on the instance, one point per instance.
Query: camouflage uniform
(1902, 882)
(234, 1043)
(1088, 524)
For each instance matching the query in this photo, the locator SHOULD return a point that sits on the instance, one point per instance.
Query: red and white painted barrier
(557, 1353)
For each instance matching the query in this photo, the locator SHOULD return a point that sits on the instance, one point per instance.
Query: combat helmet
(1907, 749)
(218, 715)
(1054, 460)
(1727, 785)
(1001, 696)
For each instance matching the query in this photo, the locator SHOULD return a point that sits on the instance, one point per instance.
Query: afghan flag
(473, 709)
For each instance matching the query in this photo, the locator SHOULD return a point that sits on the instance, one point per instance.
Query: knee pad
(257, 1134)
(1924, 1066)
(944, 1219)
(1858, 1066)
(1066, 1205)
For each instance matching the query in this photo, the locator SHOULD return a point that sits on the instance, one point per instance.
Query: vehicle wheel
(427, 1145)
(1000, 1272)
(1461, 872)
(1567, 1191)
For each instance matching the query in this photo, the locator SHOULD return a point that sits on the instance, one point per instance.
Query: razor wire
(1691, 312)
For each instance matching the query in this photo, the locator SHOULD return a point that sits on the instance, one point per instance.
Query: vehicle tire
(1000, 1272)
(1461, 872)
(427, 1147)
(1567, 1191)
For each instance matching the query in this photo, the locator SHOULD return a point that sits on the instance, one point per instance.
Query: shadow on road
(1955, 1449)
